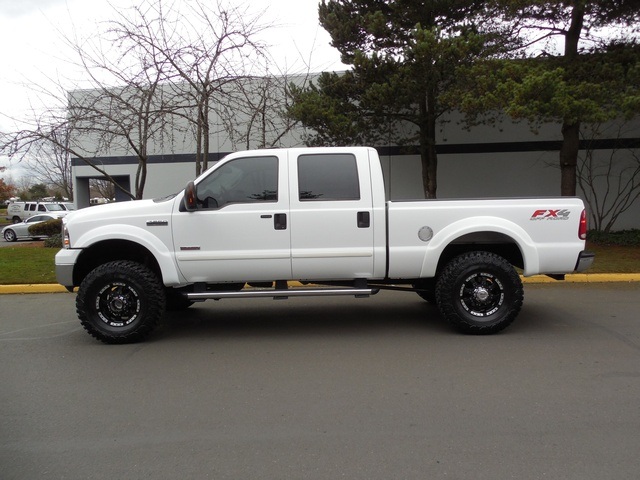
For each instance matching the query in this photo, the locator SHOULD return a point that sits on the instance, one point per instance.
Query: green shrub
(622, 238)
(46, 229)
(54, 241)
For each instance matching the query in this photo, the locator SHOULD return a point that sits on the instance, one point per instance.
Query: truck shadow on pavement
(232, 319)
(281, 318)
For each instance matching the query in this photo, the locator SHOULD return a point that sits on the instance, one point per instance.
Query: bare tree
(102, 188)
(610, 181)
(26, 143)
(156, 62)
(51, 163)
(254, 114)
(206, 46)
(121, 111)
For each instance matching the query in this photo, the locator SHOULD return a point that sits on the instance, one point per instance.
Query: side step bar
(282, 293)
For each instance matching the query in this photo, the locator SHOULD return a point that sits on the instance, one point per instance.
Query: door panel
(239, 232)
(331, 210)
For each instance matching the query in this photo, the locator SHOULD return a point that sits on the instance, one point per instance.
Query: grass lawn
(615, 259)
(32, 263)
(26, 263)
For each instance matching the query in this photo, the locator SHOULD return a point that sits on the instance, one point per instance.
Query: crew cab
(283, 223)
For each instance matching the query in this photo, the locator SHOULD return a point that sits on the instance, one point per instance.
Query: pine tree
(404, 57)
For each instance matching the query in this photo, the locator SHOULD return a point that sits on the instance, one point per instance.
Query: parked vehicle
(11, 200)
(261, 218)
(19, 211)
(19, 231)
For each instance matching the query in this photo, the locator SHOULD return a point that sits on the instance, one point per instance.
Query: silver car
(14, 232)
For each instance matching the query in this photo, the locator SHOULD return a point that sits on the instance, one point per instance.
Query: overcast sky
(32, 50)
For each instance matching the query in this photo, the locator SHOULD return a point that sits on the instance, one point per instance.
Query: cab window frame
(328, 177)
(212, 194)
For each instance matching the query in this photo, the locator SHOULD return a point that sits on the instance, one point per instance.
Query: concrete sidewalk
(572, 278)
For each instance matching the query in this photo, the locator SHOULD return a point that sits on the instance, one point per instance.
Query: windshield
(55, 208)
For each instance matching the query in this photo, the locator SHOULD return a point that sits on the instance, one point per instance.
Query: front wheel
(120, 302)
(10, 235)
(479, 293)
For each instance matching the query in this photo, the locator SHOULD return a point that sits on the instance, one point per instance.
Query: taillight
(582, 229)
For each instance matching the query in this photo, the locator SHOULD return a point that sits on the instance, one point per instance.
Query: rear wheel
(479, 293)
(120, 302)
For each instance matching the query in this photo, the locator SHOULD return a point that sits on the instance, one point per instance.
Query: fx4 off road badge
(551, 214)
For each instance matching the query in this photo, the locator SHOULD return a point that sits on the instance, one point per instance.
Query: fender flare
(442, 239)
(163, 255)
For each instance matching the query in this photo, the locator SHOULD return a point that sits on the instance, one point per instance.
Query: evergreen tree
(405, 55)
(583, 68)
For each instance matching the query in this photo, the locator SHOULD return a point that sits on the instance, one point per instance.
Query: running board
(283, 293)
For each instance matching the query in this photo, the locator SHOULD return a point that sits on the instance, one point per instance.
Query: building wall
(505, 160)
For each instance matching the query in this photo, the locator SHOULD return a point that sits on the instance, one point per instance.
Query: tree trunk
(571, 128)
(205, 133)
(428, 154)
(141, 178)
(199, 143)
(569, 158)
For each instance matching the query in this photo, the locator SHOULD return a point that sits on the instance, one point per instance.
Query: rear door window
(325, 177)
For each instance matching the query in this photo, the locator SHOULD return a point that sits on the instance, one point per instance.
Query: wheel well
(493, 242)
(111, 250)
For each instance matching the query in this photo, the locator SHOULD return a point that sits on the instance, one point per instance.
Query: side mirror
(191, 197)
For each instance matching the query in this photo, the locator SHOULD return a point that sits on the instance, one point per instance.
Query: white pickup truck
(257, 220)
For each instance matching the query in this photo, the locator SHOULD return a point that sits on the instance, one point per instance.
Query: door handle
(280, 221)
(364, 220)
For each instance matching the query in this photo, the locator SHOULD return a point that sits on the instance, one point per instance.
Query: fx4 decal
(551, 214)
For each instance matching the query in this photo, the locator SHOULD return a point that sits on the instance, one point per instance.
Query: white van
(20, 211)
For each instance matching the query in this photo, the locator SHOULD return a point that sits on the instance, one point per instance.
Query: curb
(572, 278)
(586, 278)
(33, 288)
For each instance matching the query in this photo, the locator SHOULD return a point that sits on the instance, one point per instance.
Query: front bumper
(585, 260)
(65, 263)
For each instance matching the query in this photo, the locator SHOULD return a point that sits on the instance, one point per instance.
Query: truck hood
(121, 212)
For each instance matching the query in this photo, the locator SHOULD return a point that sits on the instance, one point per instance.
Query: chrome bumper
(585, 260)
(65, 262)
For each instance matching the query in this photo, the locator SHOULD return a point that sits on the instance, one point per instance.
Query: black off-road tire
(120, 302)
(479, 293)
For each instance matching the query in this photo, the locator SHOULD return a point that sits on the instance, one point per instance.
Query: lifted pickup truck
(259, 219)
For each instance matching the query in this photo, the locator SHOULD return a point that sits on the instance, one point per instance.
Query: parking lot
(326, 388)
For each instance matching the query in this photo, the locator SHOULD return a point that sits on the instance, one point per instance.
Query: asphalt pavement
(319, 388)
